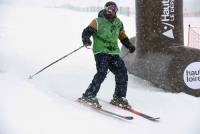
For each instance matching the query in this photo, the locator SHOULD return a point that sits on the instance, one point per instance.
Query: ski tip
(155, 119)
(129, 117)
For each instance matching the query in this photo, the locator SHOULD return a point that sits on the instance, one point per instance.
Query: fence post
(188, 35)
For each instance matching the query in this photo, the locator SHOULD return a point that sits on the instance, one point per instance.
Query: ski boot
(90, 100)
(120, 101)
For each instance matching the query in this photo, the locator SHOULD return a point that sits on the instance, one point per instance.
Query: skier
(105, 30)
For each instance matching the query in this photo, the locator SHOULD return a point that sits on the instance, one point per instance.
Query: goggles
(111, 9)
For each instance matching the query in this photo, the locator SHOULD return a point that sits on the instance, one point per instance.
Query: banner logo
(192, 75)
(167, 18)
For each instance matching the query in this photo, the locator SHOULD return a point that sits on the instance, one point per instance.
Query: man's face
(111, 10)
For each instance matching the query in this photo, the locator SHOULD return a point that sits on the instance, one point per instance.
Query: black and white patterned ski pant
(116, 65)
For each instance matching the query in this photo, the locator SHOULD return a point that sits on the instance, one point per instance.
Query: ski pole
(125, 55)
(31, 76)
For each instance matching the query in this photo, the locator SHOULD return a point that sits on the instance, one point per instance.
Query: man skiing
(106, 29)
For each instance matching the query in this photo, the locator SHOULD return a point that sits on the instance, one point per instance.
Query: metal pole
(31, 76)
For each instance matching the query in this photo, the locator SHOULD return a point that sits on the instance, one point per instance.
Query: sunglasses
(111, 9)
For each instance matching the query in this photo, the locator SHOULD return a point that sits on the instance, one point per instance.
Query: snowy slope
(31, 38)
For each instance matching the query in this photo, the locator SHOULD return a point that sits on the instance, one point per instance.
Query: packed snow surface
(33, 37)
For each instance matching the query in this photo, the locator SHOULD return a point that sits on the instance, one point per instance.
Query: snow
(33, 37)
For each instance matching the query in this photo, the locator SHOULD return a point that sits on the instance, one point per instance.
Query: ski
(148, 117)
(101, 109)
(139, 113)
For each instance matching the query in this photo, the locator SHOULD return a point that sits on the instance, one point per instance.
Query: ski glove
(86, 42)
(126, 42)
(131, 48)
